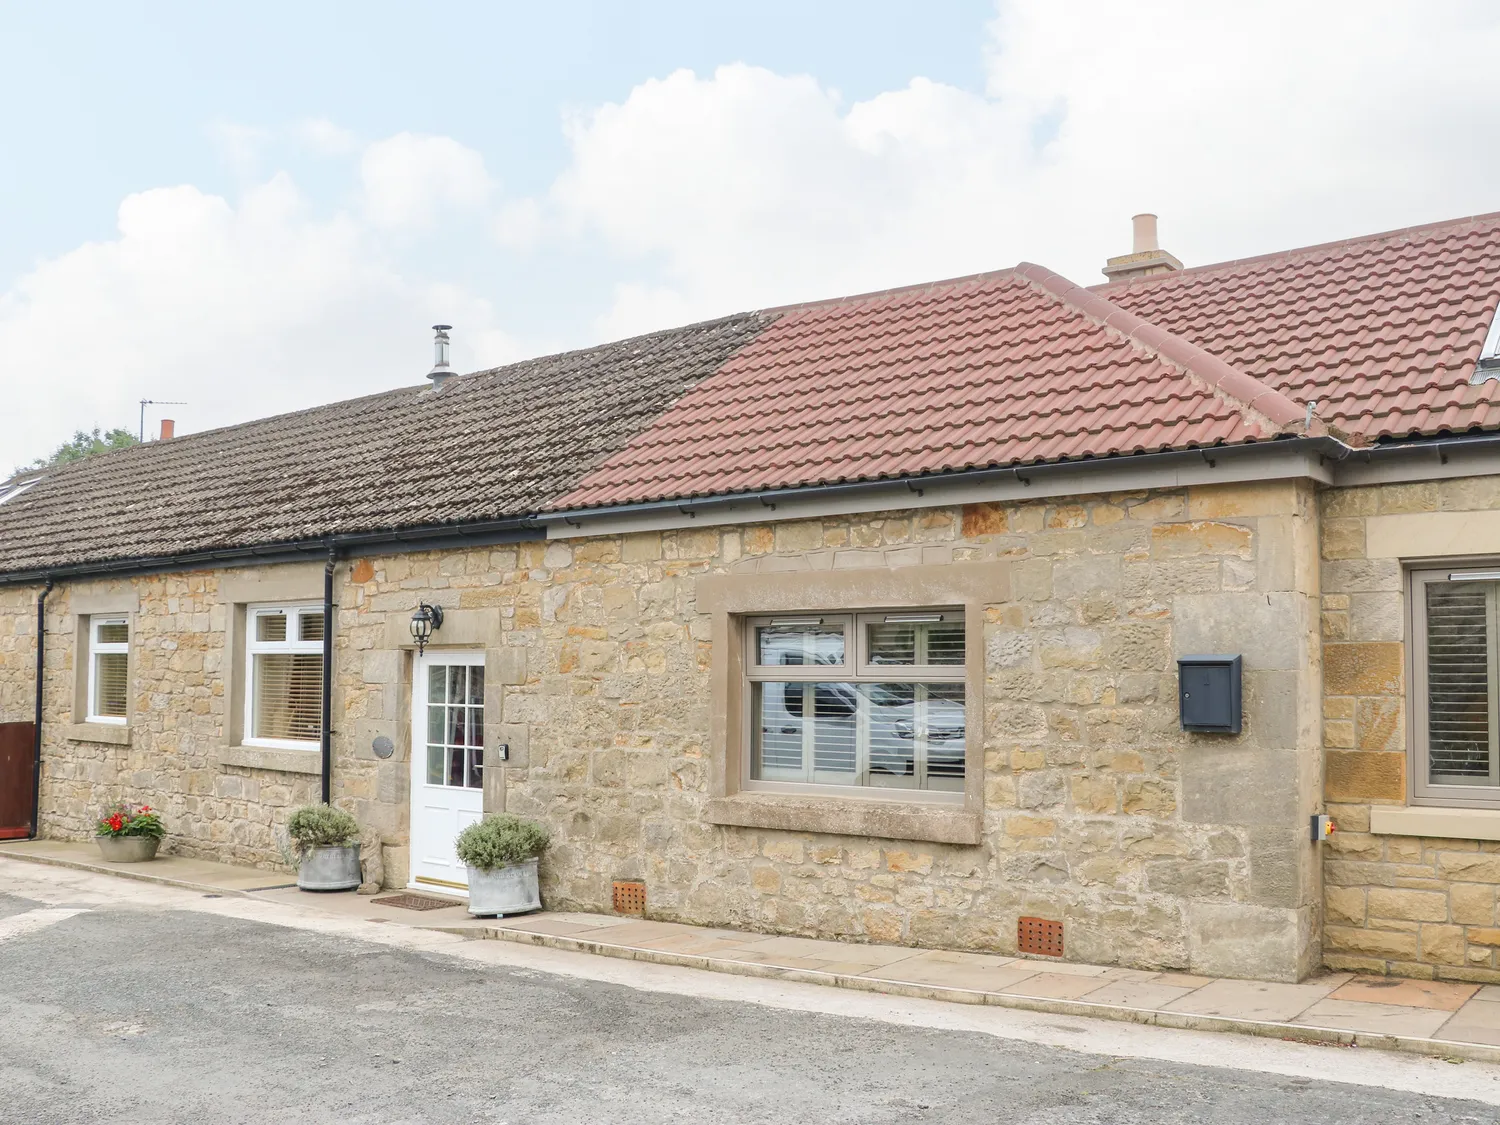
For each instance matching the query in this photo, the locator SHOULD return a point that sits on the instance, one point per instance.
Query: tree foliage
(85, 444)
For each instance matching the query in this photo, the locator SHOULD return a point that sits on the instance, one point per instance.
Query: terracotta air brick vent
(630, 898)
(1039, 935)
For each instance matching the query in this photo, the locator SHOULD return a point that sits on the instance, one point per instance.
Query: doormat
(414, 902)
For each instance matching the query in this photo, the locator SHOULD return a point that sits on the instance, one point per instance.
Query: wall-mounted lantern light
(427, 619)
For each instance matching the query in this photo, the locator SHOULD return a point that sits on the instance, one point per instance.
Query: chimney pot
(440, 372)
(168, 429)
(1145, 232)
(1146, 256)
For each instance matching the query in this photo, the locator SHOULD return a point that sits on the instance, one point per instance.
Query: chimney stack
(1146, 257)
(168, 429)
(440, 372)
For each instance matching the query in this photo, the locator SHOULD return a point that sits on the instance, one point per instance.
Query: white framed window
(109, 669)
(864, 701)
(284, 675)
(1456, 686)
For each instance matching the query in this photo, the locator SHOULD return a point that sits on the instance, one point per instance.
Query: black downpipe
(327, 740)
(36, 750)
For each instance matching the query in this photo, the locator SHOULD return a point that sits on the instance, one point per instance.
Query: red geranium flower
(117, 822)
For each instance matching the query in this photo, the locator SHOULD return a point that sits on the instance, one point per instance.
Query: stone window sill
(116, 734)
(264, 758)
(1435, 823)
(939, 824)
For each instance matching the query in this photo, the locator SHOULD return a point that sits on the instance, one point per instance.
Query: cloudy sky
(256, 208)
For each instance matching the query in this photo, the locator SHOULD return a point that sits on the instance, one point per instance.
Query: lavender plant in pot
(325, 842)
(129, 833)
(501, 853)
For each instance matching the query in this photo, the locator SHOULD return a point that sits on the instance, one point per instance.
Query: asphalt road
(127, 1014)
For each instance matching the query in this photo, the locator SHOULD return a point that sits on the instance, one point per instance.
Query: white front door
(447, 764)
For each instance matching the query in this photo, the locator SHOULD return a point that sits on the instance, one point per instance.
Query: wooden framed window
(109, 669)
(284, 666)
(862, 701)
(1456, 686)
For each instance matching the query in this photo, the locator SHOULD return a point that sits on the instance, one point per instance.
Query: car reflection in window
(893, 713)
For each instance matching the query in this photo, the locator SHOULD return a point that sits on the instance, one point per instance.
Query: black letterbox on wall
(1208, 693)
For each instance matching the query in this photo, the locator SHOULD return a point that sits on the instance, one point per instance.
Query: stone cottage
(855, 619)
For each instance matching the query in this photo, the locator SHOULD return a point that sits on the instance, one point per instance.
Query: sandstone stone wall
(1158, 848)
(1395, 904)
(176, 726)
(17, 652)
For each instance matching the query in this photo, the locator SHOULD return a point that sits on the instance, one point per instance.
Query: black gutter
(1328, 448)
(353, 545)
(36, 752)
(326, 740)
(1393, 450)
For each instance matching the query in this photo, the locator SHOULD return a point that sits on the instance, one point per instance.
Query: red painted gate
(17, 756)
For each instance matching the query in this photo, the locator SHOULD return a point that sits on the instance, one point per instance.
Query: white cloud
(519, 224)
(1248, 129)
(240, 146)
(238, 309)
(325, 138)
(409, 179)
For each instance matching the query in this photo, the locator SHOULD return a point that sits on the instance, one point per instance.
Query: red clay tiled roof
(1383, 331)
(1006, 368)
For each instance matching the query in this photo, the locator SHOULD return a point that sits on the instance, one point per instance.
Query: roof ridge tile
(1487, 218)
(1274, 408)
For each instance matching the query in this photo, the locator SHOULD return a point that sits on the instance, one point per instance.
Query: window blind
(111, 683)
(113, 633)
(288, 695)
(937, 642)
(1460, 718)
(900, 735)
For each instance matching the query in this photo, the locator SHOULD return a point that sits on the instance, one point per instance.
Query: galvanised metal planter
(504, 890)
(128, 849)
(327, 867)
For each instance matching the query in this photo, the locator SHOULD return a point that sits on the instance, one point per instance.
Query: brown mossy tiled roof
(488, 446)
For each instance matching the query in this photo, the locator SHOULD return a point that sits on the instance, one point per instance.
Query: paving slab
(947, 974)
(1478, 1021)
(1137, 994)
(1443, 995)
(1054, 986)
(1381, 1019)
(169, 870)
(1254, 1000)
(347, 904)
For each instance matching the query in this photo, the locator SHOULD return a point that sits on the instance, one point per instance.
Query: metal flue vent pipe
(440, 372)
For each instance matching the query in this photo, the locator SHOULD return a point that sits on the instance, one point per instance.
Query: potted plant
(129, 833)
(501, 854)
(325, 841)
